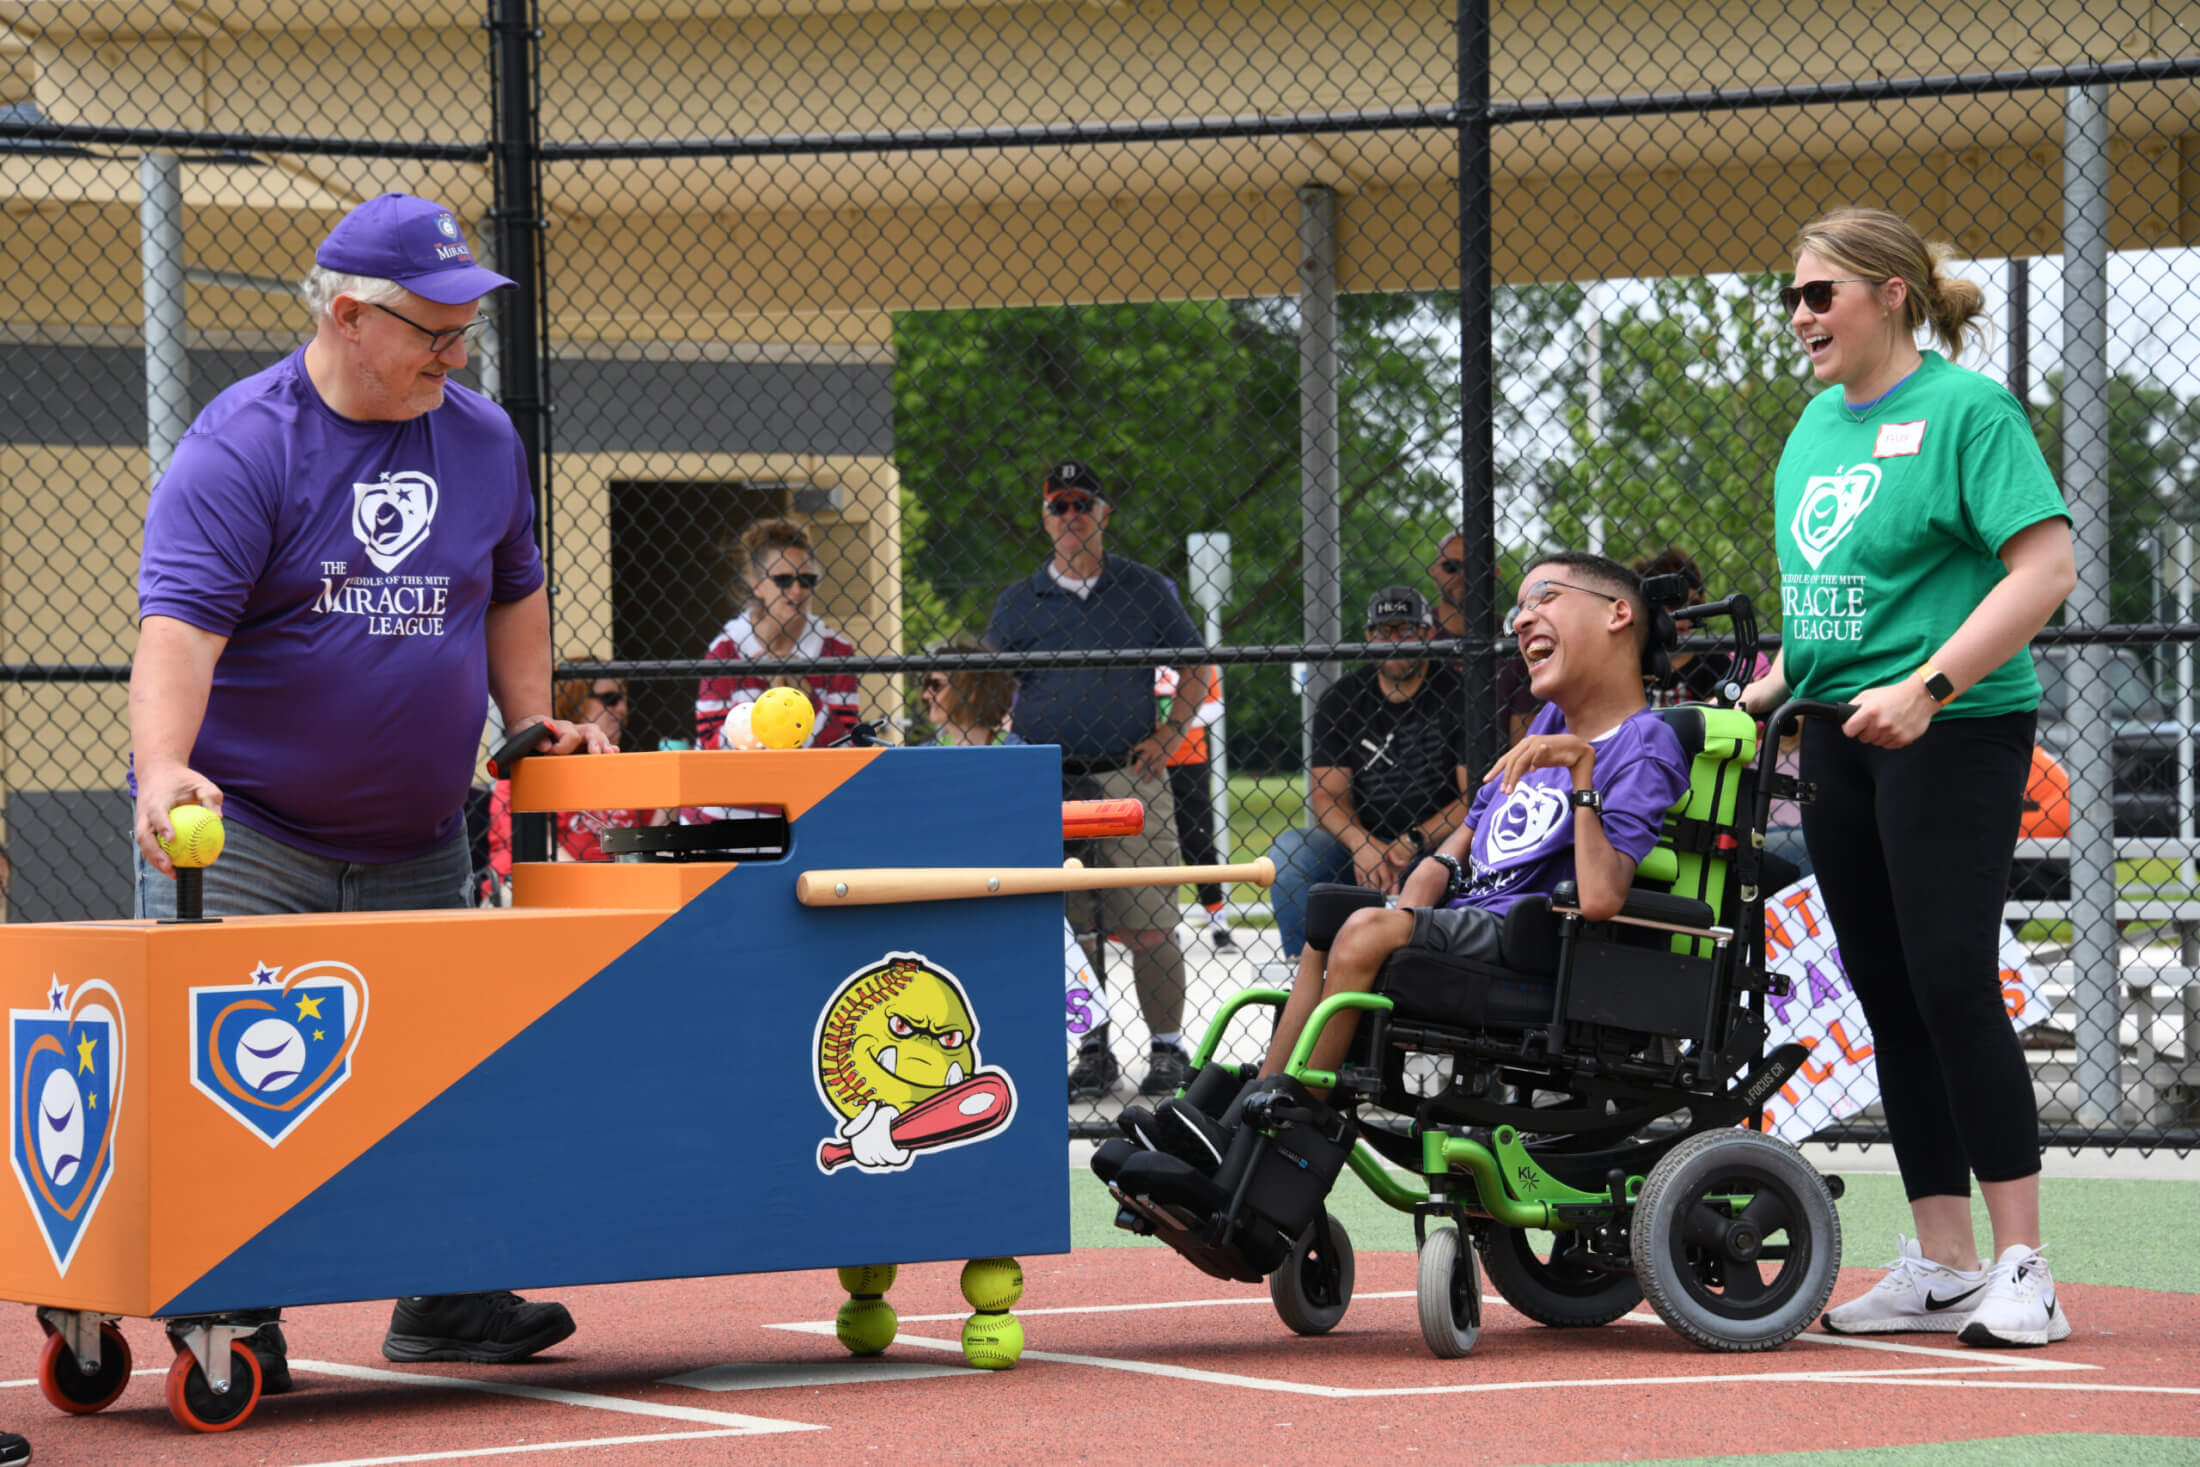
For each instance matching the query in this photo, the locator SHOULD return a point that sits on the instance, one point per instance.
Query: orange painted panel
(795, 779)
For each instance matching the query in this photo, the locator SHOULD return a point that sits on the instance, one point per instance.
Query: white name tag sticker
(1899, 440)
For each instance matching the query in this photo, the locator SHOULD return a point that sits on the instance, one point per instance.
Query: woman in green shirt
(1922, 543)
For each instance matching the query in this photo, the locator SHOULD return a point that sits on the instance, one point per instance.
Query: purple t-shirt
(1524, 841)
(351, 566)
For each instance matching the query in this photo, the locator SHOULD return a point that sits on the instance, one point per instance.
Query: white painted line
(809, 1375)
(149, 1370)
(807, 1325)
(738, 1424)
(1904, 1378)
(584, 1444)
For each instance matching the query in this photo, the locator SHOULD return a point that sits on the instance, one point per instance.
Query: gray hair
(321, 288)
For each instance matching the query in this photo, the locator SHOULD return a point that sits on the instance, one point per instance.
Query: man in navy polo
(339, 573)
(1113, 745)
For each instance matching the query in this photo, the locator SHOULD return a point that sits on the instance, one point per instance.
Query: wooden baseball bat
(870, 887)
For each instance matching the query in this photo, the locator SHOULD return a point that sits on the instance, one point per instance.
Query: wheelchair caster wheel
(1313, 1287)
(64, 1382)
(1736, 1241)
(193, 1401)
(1448, 1295)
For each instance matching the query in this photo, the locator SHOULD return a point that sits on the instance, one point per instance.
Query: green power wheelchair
(1579, 1119)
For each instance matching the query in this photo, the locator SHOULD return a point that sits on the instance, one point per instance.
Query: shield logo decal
(393, 515)
(271, 1050)
(66, 1064)
(1526, 819)
(1830, 507)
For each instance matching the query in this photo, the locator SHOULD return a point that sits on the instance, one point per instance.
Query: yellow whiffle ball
(993, 1283)
(866, 1326)
(993, 1341)
(868, 1278)
(198, 837)
(782, 719)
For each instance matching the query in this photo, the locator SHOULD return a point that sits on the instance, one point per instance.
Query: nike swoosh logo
(1934, 1303)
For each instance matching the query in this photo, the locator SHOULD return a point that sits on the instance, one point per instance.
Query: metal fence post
(167, 331)
(2093, 948)
(516, 152)
(1320, 528)
(1477, 384)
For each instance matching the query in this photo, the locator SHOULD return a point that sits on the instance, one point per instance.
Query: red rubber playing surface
(1134, 1357)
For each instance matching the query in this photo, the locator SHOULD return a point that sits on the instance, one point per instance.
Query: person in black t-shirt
(1389, 769)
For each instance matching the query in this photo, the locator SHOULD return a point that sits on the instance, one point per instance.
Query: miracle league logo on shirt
(1828, 608)
(392, 518)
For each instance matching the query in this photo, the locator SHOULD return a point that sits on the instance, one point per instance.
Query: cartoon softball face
(897, 1061)
(896, 1033)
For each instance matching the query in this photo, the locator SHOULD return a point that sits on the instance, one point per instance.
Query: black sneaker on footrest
(487, 1329)
(1193, 1137)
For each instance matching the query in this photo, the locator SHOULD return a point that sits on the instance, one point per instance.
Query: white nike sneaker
(2018, 1307)
(1917, 1296)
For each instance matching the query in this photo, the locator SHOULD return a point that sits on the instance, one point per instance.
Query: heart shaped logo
(1830, 507)
(1525, 819)
(270, 1051)
(392, 516)
(67, 1062)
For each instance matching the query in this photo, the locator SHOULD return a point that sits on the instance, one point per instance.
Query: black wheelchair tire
(1688, 1249)
(1312, 1288)
(1555, 1292)
(1448, 1295)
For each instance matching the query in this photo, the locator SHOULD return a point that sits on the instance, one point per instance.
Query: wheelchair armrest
(1658, 908)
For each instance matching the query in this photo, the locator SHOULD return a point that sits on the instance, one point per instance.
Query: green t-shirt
(1890, 529)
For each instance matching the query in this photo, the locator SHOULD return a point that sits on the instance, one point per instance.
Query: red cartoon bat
(957, 1113)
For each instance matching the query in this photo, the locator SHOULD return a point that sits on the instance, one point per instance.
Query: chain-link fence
(857, 344)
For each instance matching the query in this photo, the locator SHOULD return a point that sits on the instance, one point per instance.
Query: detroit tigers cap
(1395, 604)
(415, 242)
(1070, 476)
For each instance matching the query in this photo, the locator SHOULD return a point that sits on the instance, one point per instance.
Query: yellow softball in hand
(198, 836)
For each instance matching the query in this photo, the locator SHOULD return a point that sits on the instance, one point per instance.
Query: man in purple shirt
(1583, 802)
(339, 573)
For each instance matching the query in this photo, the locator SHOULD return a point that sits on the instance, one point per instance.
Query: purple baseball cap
(415, 242)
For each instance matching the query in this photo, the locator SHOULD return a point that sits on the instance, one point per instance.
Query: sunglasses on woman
(785, 580)
(610, 699)
(1817, 294)
(934, 684)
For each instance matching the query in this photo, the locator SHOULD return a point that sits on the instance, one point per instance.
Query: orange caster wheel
(70, 1387)
(194, 1403)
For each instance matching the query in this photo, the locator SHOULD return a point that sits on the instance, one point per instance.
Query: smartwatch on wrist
(1938, 686)
(1586, 800)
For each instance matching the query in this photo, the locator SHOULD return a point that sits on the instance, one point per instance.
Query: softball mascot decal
(898, 1065)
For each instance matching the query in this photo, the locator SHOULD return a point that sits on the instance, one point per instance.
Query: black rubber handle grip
(515, 748)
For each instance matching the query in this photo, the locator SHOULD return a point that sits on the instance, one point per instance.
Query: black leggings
(1912, 848)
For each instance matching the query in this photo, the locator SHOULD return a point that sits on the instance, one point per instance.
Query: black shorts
(1467, 932)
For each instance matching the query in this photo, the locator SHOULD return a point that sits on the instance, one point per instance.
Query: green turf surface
(2067, 1450)
(2098, 1232)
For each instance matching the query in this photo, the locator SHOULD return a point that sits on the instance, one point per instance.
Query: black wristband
(1457, 873)
(1419, 837)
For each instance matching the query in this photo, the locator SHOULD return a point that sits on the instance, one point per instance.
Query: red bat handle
(936, 1121)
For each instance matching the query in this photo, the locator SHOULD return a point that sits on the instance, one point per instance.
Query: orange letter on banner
(1848, 1051)
(2012, 991)
(1777, 940)
(1787, 1092)
(1800, 905)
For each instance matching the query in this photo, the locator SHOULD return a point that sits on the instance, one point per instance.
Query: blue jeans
(1304, 856)
(258, 875)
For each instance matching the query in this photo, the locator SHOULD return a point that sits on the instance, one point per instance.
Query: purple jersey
(1524, 841)
(351, 566)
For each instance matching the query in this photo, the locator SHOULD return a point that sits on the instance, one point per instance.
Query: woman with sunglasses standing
(1922, 543)
(780, 566)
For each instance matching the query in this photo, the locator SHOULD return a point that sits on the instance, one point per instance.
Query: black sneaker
(1191, 1136)
(15, 1449)
(1136, 1124)
(487, 1329)
(1168, 1070)
(1094, 1074)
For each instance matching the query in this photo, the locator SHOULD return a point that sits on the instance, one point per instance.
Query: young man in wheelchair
(1584, 804)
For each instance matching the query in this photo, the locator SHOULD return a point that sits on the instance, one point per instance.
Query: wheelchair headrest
(1687, 722)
